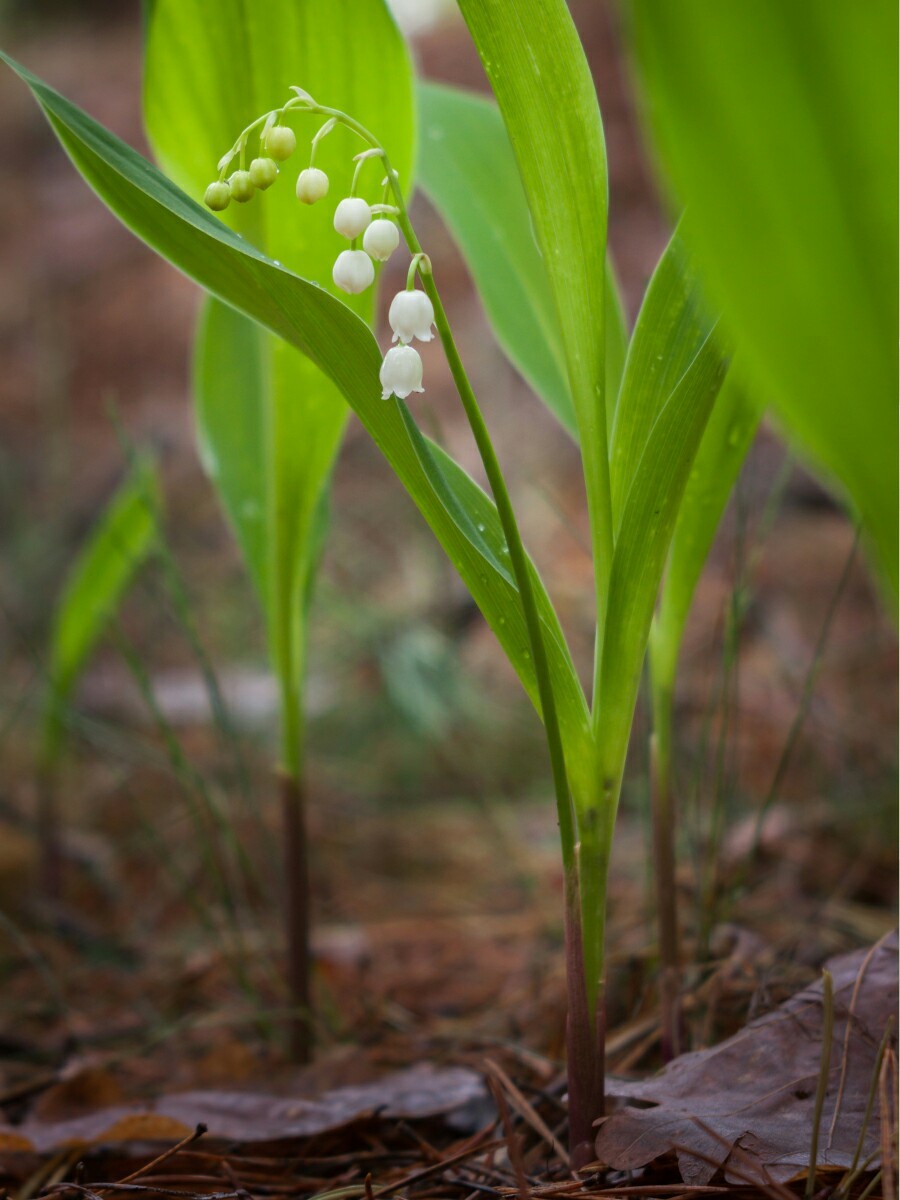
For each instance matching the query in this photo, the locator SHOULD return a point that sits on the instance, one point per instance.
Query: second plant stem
(585, 1020)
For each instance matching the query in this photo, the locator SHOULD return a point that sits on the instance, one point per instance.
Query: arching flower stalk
(413, 312)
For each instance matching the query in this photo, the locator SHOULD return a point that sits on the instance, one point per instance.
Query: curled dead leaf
(748, 1103)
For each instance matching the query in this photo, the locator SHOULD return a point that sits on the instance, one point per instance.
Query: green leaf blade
(332, 336)
(97, 580)
(648, 520)
(468, 170)
(671, 327)
(194, 110)
(534, 60)
(777, 124)
(726, 441)
(229, 383)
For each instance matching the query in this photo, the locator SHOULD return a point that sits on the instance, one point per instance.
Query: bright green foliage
(97, 580)
(777, 124)
(290, 414)
(534, 59)
(671, 327)
(468, 170)
(341, 346)
(229, 384)
(724, 447)
(647, 523)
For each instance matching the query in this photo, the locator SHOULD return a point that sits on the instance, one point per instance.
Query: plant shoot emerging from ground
(412, 314)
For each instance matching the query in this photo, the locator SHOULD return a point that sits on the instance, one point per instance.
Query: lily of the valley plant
(633, 497)
(639, 420)
(523, 188)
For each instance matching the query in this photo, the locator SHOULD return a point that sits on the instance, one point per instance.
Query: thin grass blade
(119, 544)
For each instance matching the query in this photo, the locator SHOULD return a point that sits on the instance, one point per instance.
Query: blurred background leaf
(270, 423)
(97, 580)
(468, 170)
(777, 127)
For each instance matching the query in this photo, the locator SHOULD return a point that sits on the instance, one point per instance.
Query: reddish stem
(585, 1042)
(297, 917)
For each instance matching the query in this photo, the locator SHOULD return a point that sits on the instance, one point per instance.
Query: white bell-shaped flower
(353, 271)
(312, 185)
(401, 372)
(352, 216)
(411, 315)
(381, 239)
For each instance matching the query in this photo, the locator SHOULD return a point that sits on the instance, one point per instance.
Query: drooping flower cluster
(411, 312)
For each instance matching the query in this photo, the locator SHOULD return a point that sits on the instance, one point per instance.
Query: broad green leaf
(649, 515)
(340, 345)
(468, 170)
(194, 111)
(777, 125)
(229, 390)
(536, 65)
(97, 580)
(671, 327)
(728, 437)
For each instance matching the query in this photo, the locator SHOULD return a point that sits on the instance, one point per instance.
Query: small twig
(824, 1072)
(855, 1168)
(845, 1056)
(525, 1109)
(167, 1154)
(757, 1177)
(513, 1148)
(435, 1168)
(872, 1185)
(426, 1147)
(888, 1132)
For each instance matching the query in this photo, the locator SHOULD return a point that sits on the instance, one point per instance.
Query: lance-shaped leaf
(726, 441)
(536, 65)
(194, 111)
(97, 580)
(777, 125)
(468, 170)
(671, 327)
(341, 346)
(649, 514)
(230, 389)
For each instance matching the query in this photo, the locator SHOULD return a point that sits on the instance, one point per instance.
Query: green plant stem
(585, 1029)
(297, 915)
(663, 823)
(521, 571)
(585, 1026)
(292, 796)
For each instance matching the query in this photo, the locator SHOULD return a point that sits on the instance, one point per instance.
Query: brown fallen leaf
(755, 1092)
(421, 1091)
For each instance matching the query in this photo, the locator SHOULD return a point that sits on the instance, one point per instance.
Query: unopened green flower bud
(263, 172)
(217, 196)
(281, 142)
(241, 186)
(312, 185)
